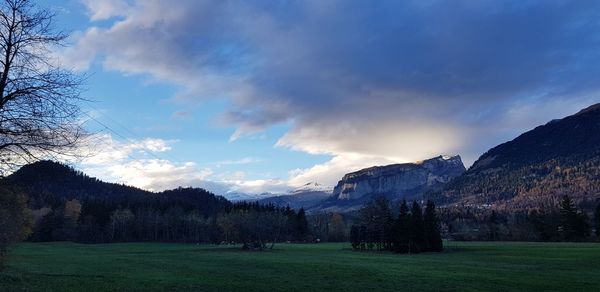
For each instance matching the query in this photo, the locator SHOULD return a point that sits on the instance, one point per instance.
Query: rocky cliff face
(399, 181)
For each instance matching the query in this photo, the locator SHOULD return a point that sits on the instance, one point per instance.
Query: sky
(265, 96)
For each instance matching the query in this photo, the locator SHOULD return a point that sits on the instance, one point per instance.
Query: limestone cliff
(399, 181)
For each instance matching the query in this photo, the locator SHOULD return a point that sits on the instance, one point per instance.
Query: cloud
(137, 163)
(245, 160)
(105, 9)
(102, 148)
(140, 163)
(157, 175)
(259, 186)
(330, 172)
(376, 81)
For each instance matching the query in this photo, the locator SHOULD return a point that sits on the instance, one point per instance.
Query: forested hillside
(69, 205)
(536, 169)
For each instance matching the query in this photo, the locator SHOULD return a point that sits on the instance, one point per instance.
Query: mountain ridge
(561, 157)
(53, 182)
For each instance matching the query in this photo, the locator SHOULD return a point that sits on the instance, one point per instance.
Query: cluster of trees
(15, 222)
(180, 215)
(170, 219)
(558, 221)
(411, 231)
(564, 222)
(259, 227)
(328, 227)
(69, 206)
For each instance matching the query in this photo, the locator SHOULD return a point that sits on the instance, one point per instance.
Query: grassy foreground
(178, 267)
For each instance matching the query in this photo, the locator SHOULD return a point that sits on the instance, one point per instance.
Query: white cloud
(259, 186)
(105, 9)
(352, 77)
(242, 161)
(155, 174)
(330, 172)
(138, 163)
(365, 83)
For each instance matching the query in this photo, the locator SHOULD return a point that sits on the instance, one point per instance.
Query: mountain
(49, 183)
(398, 181)
(307, 196)
(559, 158)
(311, 187)
(236, 196)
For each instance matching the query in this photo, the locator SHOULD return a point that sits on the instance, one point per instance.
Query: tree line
(556, 220)
(411, 231)
(568, 223)
(104, 221)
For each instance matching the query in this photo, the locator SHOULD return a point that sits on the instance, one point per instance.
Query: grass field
(325, 267)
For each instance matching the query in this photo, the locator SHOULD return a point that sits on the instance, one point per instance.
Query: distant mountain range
(398, 181)
(535, 169)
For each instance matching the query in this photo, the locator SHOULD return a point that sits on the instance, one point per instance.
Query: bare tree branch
(39, 111)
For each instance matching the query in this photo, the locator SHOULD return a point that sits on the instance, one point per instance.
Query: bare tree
(39, 111)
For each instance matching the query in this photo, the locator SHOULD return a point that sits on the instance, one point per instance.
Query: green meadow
(301, 267)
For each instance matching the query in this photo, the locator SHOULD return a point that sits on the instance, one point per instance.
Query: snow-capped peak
(312, 187)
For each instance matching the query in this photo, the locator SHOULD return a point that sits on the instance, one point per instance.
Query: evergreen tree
(363, 237)
(417, 229)
(546, 223)
(568, 216)
(597, 218)
(355, 237)
(582, 226)
(301, 225)
(377, 217)
(432, 228)
(574, 225)
(492, 223)
(384, 224)
(401, 229)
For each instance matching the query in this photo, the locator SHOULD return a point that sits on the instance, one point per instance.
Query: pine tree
(301, 225)
(383, 224)
(574, 224)
(597, 217)
(568, 216)
(401, 230)
(432, 229)
(363, 237)
(493, 226)
(417, 229)
(355, 237)
(377, 217)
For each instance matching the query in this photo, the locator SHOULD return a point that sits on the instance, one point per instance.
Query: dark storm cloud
(394, 79)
